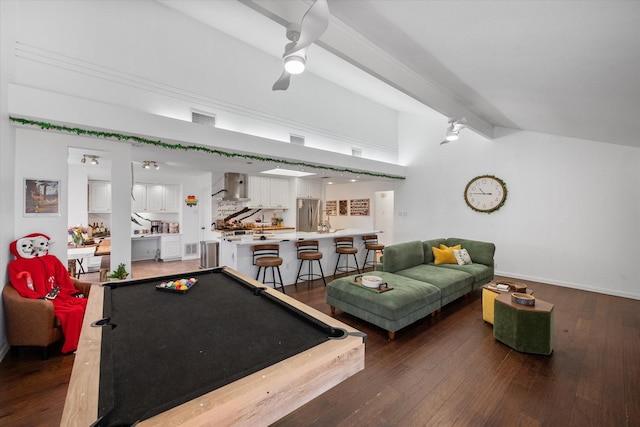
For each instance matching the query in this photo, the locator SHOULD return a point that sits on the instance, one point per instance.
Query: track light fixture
(453, 131)
(150, 163)
(92, 159)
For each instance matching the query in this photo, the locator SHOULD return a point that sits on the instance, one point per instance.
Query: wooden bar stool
(344, 246)
(268, 256)
(308, 251)
(371, 244)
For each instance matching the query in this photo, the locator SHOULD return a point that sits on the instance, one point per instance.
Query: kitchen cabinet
(280, 193)
(308, 189)
(170, 248)
(156, 198)
(267, 192)
(99, 197)
(139, 200)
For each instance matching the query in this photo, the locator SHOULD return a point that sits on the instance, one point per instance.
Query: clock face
(485, 193)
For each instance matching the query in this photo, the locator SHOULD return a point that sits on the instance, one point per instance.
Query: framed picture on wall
(343, 207)
(41, 197)
(359, 207)
(331, 208)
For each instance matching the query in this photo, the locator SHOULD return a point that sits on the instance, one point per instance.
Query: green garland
(160, 143)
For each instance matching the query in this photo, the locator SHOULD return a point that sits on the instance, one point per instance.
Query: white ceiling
(569, 68)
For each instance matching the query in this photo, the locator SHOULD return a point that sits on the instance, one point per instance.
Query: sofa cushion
(444, 255)
(449, 281)
(481, 273)
(428, 252)
(402, 255)
(406, 297)
(480, 252)
(462, 256)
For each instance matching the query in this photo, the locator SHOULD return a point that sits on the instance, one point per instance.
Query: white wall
(572, 206)
(144, 56)
(357, 190)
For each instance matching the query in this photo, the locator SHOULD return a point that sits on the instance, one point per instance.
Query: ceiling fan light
(452, 135)
(294, 64)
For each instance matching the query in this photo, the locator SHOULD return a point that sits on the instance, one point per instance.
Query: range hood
(235, 187)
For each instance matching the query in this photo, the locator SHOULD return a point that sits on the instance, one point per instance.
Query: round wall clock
(485, 193)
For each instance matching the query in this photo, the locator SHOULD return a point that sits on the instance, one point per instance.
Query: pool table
(228, 351)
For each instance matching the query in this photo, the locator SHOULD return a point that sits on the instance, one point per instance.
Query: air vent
(203, 119)
(356, 152)
(296, 139)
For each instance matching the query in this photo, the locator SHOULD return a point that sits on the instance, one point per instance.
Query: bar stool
(371, 244)
(268, 256)
(308, 251)
(344, 246)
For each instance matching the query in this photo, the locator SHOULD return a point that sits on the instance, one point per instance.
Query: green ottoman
(408, 301)
(528, 329)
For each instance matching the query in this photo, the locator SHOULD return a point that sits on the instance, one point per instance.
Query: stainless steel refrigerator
(309, 214)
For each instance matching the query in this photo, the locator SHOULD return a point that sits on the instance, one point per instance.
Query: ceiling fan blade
(444, 142)
(314, 23)
(283, 81)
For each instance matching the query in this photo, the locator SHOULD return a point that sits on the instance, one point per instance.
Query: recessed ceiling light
(287, 172)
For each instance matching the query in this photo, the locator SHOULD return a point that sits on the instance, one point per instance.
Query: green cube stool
(528, 329)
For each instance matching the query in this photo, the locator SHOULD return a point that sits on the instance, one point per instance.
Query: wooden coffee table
(490, 293)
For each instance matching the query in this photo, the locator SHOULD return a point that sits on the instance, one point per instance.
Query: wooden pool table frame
(258, 399)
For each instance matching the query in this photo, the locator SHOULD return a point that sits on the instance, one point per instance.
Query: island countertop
(236, 253)
(294, 236)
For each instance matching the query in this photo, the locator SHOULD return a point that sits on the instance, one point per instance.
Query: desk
(79, 254)
(229, 351)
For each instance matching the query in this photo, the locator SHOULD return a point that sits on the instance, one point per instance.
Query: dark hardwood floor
(445, 370)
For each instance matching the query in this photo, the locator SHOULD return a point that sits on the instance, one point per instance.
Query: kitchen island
(236, 252)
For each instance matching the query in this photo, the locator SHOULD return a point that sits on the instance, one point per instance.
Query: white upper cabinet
(267, 192)
(139, 200)
(99, 197)
(172, 198)
(156, 198)
(280, 193)
(308, 189)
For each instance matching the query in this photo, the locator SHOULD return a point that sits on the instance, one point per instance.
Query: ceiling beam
(350, 46)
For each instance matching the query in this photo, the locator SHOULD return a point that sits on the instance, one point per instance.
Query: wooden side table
(528, 329)
(489, 295)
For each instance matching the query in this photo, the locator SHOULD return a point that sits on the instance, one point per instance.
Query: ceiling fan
(453, 131)
(314, 23)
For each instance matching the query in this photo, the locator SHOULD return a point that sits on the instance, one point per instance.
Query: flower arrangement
(78, 234)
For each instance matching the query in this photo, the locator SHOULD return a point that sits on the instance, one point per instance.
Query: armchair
(31, 322)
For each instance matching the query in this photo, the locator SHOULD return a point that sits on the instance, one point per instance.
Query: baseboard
(579, 286)
(4, 350)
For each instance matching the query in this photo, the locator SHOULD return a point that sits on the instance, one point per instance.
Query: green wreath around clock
(485, 193)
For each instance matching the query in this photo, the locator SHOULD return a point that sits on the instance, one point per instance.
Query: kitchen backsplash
(142, 222)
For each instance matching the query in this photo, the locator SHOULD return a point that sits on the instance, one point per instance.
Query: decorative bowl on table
(371, 281)
(523, 299)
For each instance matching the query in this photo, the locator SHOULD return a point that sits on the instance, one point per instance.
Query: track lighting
(149, 163)
(93, 159)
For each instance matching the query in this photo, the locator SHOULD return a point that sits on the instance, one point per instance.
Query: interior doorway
(383, 215)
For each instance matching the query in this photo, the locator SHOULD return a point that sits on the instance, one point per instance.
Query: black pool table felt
(167, 349)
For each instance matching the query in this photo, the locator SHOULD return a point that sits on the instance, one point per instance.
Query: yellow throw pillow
(445, 254)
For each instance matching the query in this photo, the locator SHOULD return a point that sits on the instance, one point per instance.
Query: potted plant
(120, 273)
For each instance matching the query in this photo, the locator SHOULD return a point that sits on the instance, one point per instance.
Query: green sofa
(419, 286)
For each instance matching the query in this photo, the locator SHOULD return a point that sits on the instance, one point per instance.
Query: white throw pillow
(462, 256)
